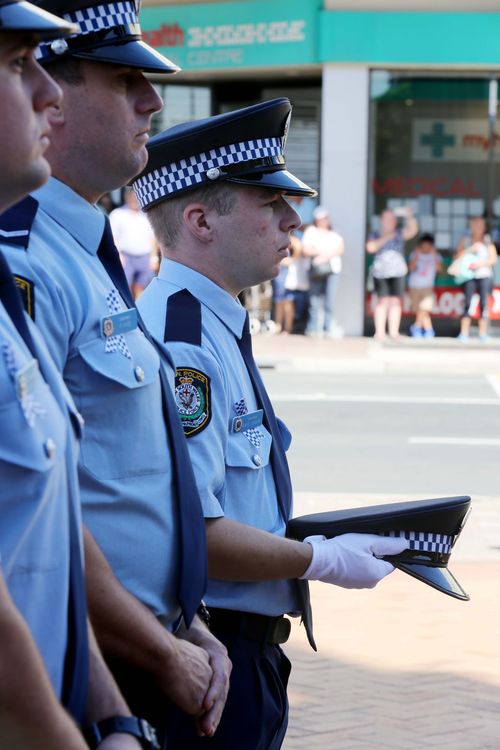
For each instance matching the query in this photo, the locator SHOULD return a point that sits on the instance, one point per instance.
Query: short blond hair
(166, 217)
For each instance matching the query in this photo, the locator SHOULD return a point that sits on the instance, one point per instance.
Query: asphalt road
(408, 434)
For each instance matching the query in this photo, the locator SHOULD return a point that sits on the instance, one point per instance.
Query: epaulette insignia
(27, 291)
(183, 318)
(192, 398)
(16, 222)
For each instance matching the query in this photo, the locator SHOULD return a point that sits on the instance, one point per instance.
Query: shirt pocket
(38, 447)
(250, 451)
(120, 400)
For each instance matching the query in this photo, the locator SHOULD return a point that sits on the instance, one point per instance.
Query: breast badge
(192, 397)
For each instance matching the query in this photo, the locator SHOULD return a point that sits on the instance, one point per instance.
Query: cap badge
(213, 173)
(59, 46)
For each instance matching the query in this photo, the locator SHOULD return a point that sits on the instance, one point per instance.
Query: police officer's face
(107, 119)
(26, 94)
(254, 238)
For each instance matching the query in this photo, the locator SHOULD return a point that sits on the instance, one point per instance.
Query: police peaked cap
(431, 526)
(108, 31)
(245, 146)
(23, 17)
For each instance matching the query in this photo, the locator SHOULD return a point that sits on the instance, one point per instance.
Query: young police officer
(43, 628)
(139, 496)
(214, 192)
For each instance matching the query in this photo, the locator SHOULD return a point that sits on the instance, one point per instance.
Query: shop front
(391, 108)
(433, 148)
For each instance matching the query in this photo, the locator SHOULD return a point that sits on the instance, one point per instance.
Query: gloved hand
(351, 560)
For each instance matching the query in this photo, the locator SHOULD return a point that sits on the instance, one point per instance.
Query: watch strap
(95, 733)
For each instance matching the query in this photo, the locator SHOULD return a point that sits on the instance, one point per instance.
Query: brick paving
(403, 666)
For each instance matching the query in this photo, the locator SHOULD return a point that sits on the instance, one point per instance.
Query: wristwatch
(146, 734)
(204, 614)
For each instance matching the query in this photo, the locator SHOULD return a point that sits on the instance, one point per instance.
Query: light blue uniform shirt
(232, 469)
(124, 467)
(37, 484)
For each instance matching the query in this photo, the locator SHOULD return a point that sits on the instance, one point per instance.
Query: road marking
(453, 441)
(494, 381)
(374, 399)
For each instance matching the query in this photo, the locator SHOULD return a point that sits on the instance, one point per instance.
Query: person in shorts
(423, 265)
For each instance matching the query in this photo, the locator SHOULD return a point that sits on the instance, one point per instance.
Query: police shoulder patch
(192, 398)
(27, 291)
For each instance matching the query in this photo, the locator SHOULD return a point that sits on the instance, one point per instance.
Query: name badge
(247, 421)
(122, 322)
(26, 378)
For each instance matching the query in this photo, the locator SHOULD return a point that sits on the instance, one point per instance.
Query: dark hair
(426, 237)
(69, 70)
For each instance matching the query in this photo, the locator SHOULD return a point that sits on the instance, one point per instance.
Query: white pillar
(344, 169)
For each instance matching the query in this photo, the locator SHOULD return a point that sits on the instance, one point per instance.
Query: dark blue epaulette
(183, 318)
(16, 223)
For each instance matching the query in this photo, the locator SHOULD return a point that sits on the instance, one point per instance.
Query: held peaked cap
(19, 16)
(245, 146)
(431, 526)
(108, 31)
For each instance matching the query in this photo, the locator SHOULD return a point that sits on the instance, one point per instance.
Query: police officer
(139, 495)
(43, 628)
(214, 191)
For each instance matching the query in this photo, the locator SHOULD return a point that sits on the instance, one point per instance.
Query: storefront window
(431, 150)
(181, 103)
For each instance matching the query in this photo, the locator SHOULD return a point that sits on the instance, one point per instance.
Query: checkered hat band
(191, 171)
(423, 541)
(104, 16)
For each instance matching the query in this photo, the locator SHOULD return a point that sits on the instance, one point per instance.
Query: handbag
(320, 271)
(460, 270)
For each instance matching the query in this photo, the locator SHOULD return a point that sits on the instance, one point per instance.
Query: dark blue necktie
(75, 681)
(192, 570)
(279, 462)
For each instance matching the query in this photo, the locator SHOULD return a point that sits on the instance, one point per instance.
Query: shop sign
(403, 186)
(234, 35)
(452, 140)
(448, 303)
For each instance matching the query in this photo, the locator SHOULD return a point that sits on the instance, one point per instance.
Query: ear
(200, 221)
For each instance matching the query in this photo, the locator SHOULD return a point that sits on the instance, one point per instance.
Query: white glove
(351, 560)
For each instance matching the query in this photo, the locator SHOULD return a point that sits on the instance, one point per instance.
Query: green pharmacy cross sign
(437, 140)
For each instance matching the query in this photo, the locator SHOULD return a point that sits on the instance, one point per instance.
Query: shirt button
(139, 374)
(257, 459)
(50, 448)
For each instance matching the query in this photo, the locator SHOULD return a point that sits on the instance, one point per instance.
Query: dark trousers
(256, 712)
(483, 288)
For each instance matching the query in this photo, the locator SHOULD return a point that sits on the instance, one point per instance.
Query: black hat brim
(279, 180)
(439, 578)
(25, 17)
(133, 53)
(440, 515)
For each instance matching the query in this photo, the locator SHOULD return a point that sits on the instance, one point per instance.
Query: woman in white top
(324, 248)
(479, 255)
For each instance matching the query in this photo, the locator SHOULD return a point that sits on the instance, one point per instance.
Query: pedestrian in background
(389, 269)
(135, 242)
(478, 255)
(423, 265)
(324, 248)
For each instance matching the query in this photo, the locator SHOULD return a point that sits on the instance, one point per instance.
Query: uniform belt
(261, 628)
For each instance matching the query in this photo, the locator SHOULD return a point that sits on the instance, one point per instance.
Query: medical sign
(453, 140)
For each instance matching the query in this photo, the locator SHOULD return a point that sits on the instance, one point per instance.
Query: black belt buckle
(280, 630)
